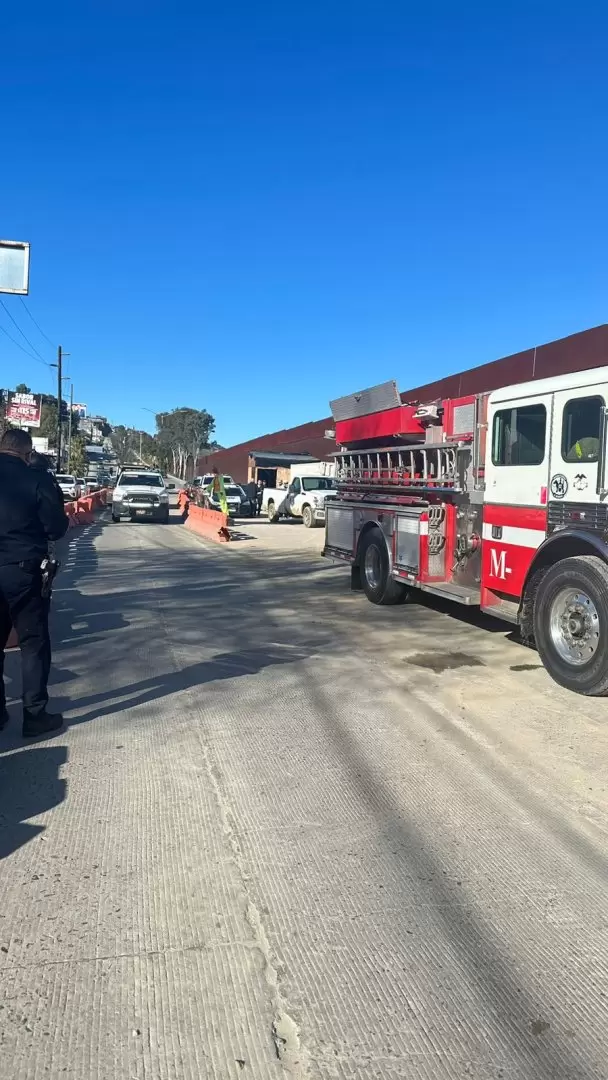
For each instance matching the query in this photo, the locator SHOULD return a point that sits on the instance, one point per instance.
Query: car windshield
(142, 480)
(317, 483)
(233, 490)
(66, 479)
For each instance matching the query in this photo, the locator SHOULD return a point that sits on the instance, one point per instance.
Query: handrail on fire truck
(420, 465)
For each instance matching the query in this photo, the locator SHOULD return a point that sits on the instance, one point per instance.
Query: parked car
(70, 486)
(141, 495)
(305, 498)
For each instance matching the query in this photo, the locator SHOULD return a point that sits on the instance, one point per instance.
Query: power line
(38, 327)
(14, 321)
(19, 346)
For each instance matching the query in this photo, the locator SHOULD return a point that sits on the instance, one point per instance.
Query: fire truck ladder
(419, 466)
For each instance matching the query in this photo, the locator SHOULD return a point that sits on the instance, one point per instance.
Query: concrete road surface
(290, 834)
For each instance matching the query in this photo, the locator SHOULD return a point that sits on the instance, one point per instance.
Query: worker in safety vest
(586, 449)
(217, 491)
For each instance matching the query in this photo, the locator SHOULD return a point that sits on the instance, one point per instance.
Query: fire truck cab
(497, 500)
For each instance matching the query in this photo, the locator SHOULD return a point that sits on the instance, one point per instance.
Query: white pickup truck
(304, 498)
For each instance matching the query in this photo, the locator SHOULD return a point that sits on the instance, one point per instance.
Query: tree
(22, 388)
(78, 458)
(122, 439)
(182, 434)
(48, 421)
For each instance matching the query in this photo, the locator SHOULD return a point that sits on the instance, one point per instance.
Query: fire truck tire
(378, 585)
(571, 624)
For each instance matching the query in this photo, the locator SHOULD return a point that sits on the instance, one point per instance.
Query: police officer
(30, 516)
(41, 461)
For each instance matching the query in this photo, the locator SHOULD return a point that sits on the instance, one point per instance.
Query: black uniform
(30, 516)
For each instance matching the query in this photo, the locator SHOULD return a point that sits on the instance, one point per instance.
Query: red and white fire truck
(497, 499)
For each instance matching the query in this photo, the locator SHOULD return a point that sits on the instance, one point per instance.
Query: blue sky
(255, 207)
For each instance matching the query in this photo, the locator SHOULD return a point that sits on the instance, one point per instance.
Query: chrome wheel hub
(372, 567)
(574, 626)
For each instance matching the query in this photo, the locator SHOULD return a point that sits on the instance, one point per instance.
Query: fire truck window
(518, 437)
(581, 429)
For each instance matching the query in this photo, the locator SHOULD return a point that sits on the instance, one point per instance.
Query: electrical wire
(38, 327)
(14, 321)
(38, 359)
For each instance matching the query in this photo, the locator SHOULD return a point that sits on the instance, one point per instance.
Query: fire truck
(496, 499)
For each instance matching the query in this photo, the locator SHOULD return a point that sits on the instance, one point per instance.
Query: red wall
(587, 349)
(305, 439)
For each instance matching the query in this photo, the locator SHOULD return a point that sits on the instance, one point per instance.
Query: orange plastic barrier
(81, 511)
(211, 524)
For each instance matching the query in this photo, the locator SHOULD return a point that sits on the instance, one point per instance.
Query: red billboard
(23, 409)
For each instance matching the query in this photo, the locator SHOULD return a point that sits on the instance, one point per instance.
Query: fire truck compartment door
(407, 545)
(578, 452)
(340, 527)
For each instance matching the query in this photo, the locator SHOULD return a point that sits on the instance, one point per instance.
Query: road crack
(285, 1032)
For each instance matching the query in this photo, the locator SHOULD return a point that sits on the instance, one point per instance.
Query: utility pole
(70, 425)
(140, 438)
(59, 393)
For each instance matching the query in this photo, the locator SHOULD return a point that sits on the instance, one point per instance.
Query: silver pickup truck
(141, 495)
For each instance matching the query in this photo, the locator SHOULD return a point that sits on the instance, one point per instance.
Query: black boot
(42, 724)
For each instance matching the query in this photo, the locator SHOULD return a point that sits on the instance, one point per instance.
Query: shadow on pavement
(29, 785)
(497, 981)
(224, 666)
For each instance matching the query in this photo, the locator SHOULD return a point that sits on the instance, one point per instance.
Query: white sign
(14, 267)
(40, 444)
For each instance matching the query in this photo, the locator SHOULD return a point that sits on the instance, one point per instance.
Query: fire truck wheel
(378, 585)
(571, 624)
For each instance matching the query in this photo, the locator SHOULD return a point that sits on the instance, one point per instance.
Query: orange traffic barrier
(211, 524)
(80, 512)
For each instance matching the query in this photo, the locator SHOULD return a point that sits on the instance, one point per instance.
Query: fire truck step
(458, 593)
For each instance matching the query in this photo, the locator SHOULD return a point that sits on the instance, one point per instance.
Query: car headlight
(117, 495)
(316, 501)
(164, 496)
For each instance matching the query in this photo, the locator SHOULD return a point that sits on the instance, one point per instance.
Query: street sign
(23, 409)
(14, 267)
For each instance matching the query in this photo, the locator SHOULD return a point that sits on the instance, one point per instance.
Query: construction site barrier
(80, 512)
(211, 524)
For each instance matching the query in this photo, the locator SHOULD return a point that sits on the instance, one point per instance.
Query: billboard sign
(80, 410)
(23, 409)
(14, 267)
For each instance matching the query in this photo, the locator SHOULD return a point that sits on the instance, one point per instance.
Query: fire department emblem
(580, 482)
(559, 486)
